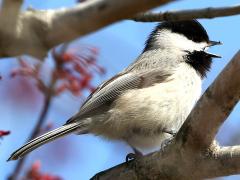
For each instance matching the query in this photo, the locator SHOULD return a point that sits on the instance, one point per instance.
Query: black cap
(191, 29)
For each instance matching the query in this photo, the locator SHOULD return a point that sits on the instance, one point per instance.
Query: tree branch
(224, 162)
(193, 147)
(9, 20)
(92, 15)
(188, 14)
(37, 128)
(9, 12)
(38, 31)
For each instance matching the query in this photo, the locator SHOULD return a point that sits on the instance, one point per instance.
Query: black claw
(169, 140)
(130, 157)
(166, 142)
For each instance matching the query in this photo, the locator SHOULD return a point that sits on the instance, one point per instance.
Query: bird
(147, 102)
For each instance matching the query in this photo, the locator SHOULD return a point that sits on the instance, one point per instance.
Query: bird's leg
(134, 155)
(168, 141)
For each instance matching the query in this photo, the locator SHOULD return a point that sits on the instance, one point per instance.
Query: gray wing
(105, 94)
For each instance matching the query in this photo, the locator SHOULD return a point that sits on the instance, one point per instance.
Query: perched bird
(147, 102)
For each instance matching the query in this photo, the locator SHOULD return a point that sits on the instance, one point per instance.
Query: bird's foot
(135, 155)
(169, 140)
(166, 142)
(130, 156)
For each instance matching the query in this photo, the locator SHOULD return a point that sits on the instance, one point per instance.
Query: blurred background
(81, 157)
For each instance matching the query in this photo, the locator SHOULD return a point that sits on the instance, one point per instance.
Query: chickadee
(149, 100)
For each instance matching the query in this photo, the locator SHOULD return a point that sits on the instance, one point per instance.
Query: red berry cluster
(35, 174)
(75, 69)
(31, 71)
(73, 72)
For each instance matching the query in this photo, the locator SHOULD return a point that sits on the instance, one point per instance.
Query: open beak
(213, 43)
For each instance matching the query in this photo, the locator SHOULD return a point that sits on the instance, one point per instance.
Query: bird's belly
(140, 117)
(148, 143)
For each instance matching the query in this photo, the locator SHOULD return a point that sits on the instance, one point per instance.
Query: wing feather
(111, 89)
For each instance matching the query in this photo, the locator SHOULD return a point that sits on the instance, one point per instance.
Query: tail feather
(45, 138)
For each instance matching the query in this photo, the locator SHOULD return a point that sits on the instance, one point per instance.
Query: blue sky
(80, 157)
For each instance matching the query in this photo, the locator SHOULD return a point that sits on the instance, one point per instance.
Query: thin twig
(188, 14)
(47, 101)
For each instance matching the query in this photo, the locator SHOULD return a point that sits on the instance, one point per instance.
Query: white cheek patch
(169, 39)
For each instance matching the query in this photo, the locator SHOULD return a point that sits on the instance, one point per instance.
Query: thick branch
(194, 147)
(8, 15)
(224, 162)
(38, 31)
(188, 14)
(11, 8)
(92, 15)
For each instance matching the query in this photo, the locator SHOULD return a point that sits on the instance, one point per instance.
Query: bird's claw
(130, 157)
